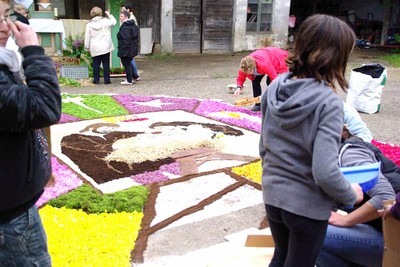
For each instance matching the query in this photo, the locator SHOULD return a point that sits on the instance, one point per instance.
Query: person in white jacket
(355, 124)
(98, 42)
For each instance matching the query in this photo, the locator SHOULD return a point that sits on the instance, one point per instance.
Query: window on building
(259, 15)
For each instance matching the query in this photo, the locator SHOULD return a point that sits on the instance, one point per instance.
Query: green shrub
(89, 200)
(69, 82)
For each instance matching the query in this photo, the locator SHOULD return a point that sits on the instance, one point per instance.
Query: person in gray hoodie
(302, 122)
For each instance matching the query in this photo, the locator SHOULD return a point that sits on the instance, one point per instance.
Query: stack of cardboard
(391, 231)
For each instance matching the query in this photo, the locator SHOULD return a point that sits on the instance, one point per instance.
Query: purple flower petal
(65, 181)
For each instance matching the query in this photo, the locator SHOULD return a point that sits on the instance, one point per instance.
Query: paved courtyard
(206, 77)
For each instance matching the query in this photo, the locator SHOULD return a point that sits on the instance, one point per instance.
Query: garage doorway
(202, 26)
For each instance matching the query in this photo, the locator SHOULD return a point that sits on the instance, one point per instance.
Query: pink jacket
(269, 60)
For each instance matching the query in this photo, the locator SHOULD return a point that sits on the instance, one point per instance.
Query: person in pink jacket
(269, 61)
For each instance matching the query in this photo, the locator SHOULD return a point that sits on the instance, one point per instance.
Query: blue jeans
(134, 66)
(297, 239)
(23, 241)
(360, 244)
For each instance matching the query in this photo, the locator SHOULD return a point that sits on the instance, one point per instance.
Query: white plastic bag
(365, 88)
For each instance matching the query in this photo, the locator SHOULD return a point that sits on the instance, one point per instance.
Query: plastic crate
(74, 72)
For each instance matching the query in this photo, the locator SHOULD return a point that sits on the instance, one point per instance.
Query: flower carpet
(128, 166)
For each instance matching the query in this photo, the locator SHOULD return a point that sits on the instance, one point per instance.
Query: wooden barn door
(202, 26)
(217, 26)
(187, 26)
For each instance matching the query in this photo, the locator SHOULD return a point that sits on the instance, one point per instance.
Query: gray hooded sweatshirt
(302, 122)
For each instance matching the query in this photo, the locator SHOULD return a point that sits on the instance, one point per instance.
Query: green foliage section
(397, 38)
(117, 70)
(69, 82)
(89, 200)
(393, 59)
(91, 106)
(115, 4)
(75, 47)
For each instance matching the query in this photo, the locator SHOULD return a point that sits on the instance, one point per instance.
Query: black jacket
(24, 110)
(128, 39)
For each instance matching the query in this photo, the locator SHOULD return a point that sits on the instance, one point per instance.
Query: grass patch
(393, 59)
(91, 106)
(89, 200)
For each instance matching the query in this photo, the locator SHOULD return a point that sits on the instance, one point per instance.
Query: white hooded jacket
(98, 35)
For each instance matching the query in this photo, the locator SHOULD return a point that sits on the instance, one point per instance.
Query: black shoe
(95, 82)
(107, 82)
(255, 108)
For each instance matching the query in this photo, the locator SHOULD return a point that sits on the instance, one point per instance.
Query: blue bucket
(366, 176)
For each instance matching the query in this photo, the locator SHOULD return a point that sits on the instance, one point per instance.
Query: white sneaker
(125, 82)
(137, 79)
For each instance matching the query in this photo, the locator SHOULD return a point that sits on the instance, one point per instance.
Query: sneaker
(133, 81)
(137, 79)
(125, 82)
(255, 108)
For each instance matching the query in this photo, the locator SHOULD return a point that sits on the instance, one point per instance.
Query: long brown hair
(321, 50)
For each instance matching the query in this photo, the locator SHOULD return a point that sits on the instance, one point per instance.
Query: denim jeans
(135, 72)
(360, 244)
(297, 239)
(23, 241)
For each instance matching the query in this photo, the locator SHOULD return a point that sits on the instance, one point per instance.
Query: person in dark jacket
(127, 44)
(134, 65)
(24, 158)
